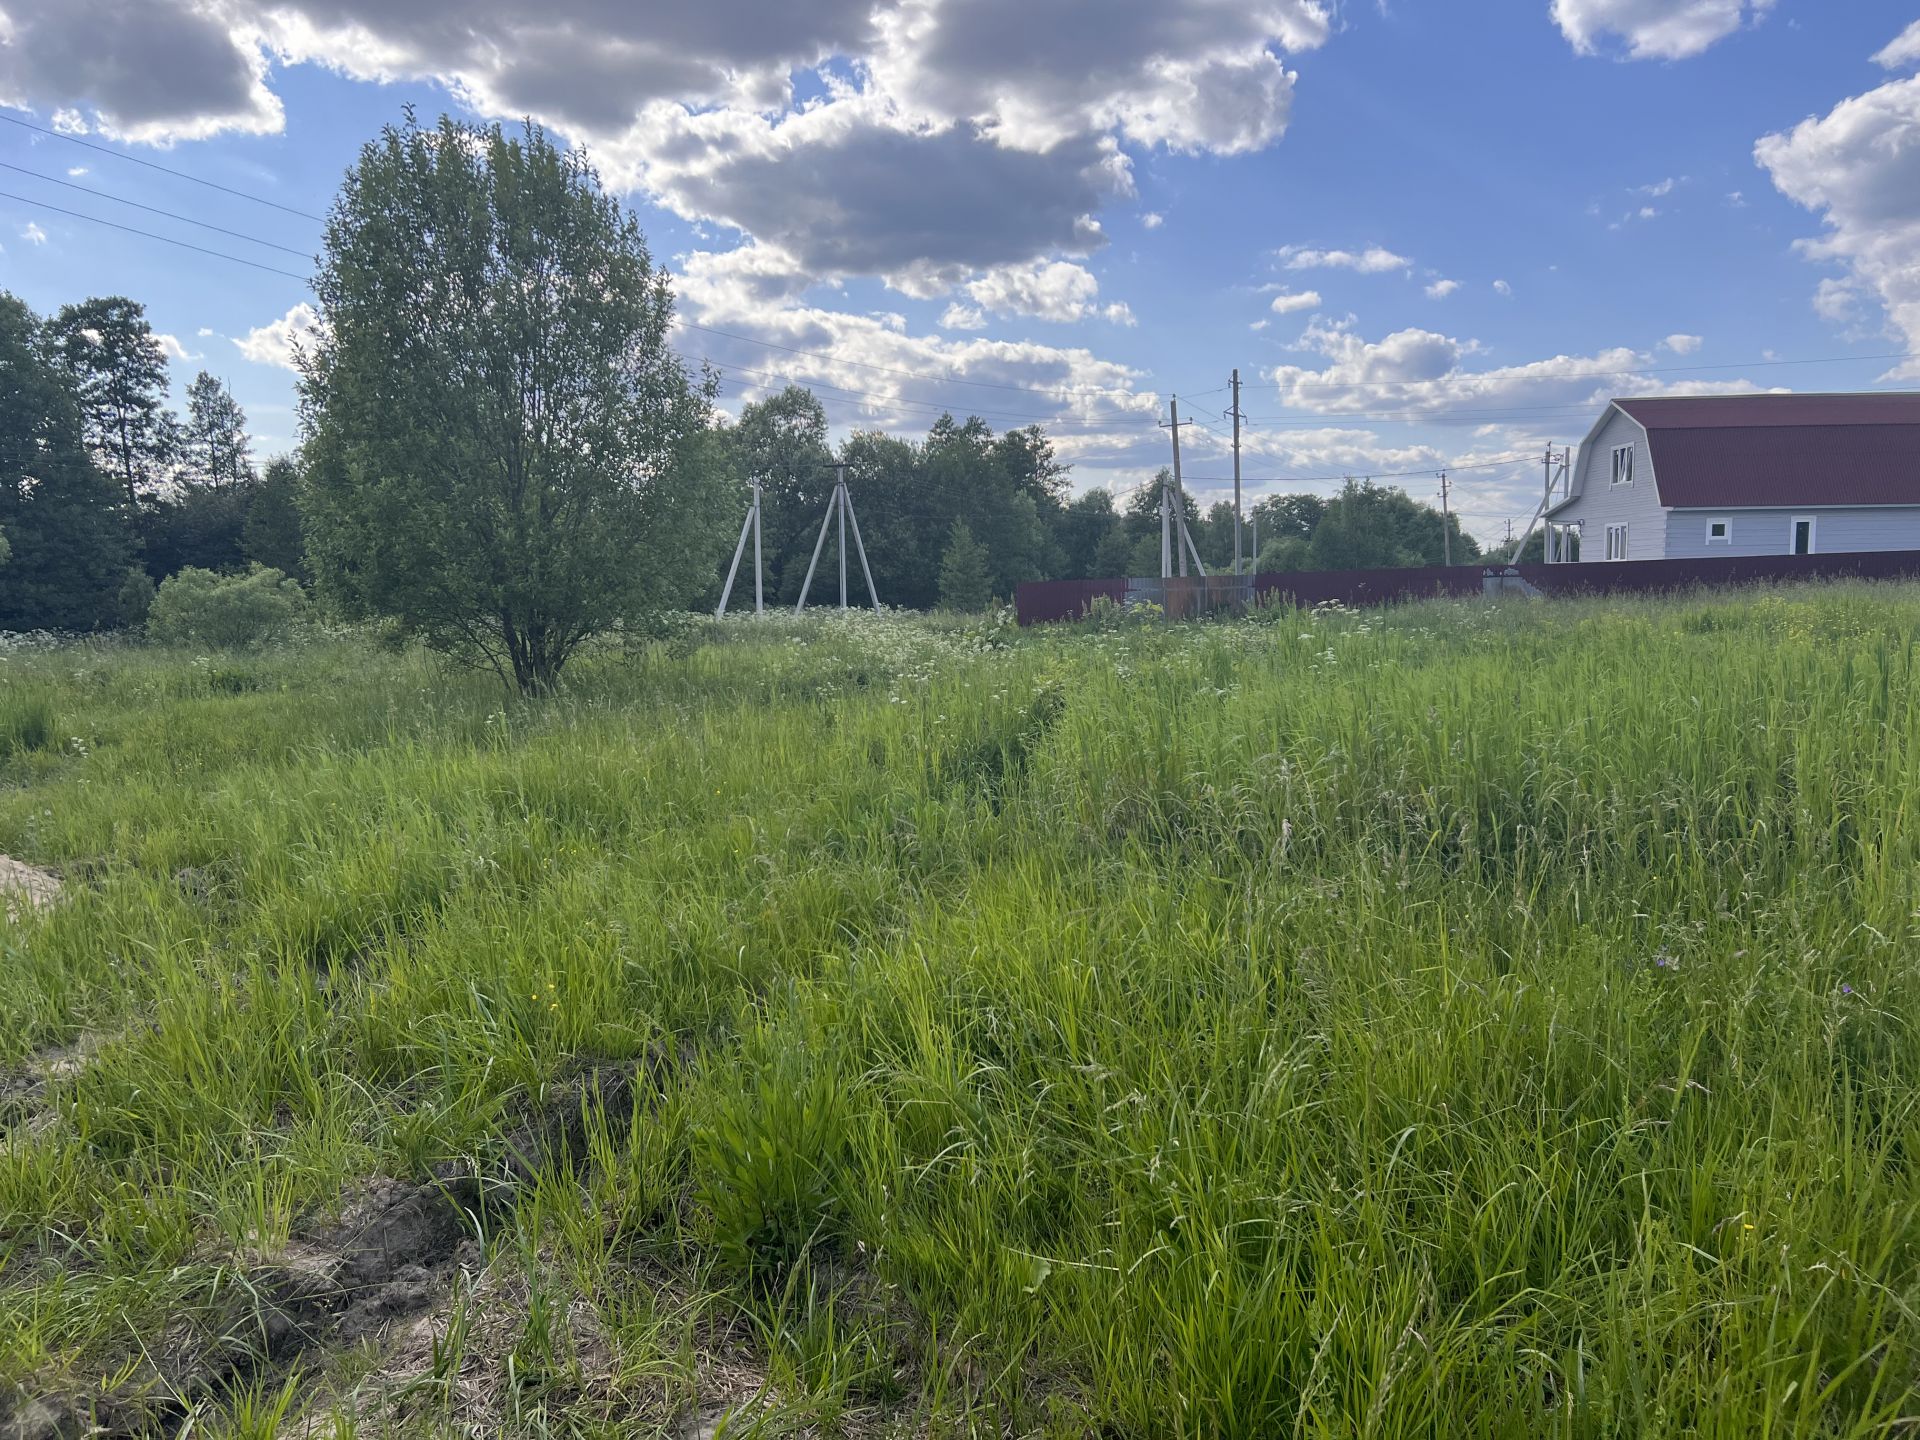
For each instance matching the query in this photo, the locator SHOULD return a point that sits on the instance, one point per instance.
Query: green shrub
(226, 612)
(135, 599)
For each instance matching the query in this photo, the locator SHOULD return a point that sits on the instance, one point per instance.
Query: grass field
(1455, 1020)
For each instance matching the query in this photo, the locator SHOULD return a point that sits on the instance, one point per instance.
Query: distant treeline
(503, 456)
(104, 489)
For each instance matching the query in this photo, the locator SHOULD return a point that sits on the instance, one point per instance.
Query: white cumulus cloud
(1682, 344)
(1858, 167)
(1653, 29)
(1903, 50)
(33, 234)
(1374, 260)
(1441, 289)
(1288, 302)
(274, 342)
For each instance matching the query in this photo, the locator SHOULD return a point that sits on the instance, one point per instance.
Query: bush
(135, 599)
(226, 612)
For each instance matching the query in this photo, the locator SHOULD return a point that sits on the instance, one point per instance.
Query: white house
(1682, 477)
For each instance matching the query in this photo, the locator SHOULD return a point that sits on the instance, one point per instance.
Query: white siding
(1770, 532)
(1599, 503)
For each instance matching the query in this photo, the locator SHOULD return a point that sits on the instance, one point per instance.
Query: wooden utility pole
(1446, 523)
(1236, 474)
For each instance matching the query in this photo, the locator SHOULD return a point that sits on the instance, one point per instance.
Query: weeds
(1456, 1019)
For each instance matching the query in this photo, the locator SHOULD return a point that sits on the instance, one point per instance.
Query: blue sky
(1427, 234)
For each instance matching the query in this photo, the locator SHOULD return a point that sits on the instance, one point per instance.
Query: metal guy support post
(1446, 524)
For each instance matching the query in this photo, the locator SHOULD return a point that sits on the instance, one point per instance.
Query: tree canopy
(503, 453)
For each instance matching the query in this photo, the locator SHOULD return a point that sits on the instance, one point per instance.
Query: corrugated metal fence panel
(1038, 600)
(1068, 599)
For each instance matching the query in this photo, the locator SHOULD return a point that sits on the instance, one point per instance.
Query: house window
(1719, 532)
(1623, 464)
(1616, 542)
(1803, 535)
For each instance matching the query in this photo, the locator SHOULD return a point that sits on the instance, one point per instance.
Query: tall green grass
(1464, 1019)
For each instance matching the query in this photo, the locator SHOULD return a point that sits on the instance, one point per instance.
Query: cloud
(1152, 220)
(1654, 29)
(1501, 287)
(274, 342)
(1902, 51)
(204, 331)
(1441, 289)
(1056, 290)
(156, 72)
(1858, 167)
(74, 172)
(1374, 260)
(963, 317)
(1288, 302)
(171, 347)
(1837, 301)
(1422, 374)
(927, 147)
(33, 234)
(1682, 344)
(1657, 189)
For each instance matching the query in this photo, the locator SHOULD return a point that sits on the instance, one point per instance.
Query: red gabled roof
(1725, 451)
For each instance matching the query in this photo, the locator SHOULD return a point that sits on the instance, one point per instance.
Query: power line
(1372, 475)
(153, 210)
(155, 165)
(150, 235)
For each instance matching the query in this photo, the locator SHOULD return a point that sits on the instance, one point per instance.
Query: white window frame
(1623, 474)
(1617, 551)
(1726, 525)
(1812, 522)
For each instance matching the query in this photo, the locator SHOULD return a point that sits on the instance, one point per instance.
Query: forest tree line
(527, 462)
(105, 483)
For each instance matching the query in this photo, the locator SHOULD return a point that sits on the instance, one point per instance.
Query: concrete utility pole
(1173, 512)
(1446, 524)
(752, 522)
(1237, 569)
(839, 507)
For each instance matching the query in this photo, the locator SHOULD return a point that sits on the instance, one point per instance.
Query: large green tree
(120, 378)
(503, 453)
(214, 449)
(965, 583)
(1369, 526)
(64, 518)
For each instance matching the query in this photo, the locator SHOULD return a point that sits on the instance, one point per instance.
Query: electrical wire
(1373, 475)
(156, 165)
(153, 210)
(150, 235)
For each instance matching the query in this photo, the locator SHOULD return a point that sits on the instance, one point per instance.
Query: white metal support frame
(839, 507)
(752, 522)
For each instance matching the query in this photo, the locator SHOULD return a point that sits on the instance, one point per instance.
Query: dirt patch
(26, 889)
(393, 1257)
(24, 1088)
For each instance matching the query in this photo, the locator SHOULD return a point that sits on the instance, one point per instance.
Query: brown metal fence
(1181, 598)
